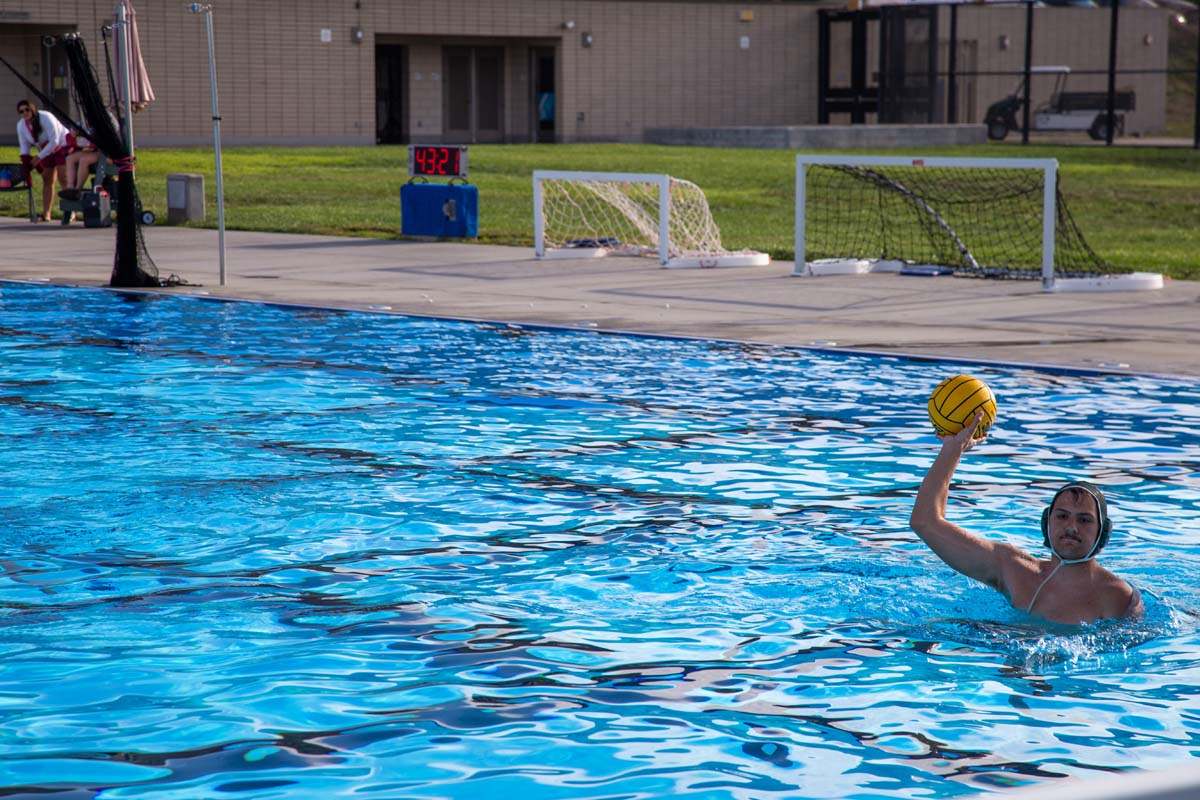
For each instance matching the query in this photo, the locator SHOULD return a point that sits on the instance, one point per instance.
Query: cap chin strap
(1091, 554)
(1038, 591)
(1104, 526)
(1061, 562)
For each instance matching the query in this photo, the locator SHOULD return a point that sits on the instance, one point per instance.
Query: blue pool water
(279, 553)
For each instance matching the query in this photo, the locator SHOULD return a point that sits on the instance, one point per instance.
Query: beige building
(367, 71)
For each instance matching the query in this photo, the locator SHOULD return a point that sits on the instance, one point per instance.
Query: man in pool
(1068, 587)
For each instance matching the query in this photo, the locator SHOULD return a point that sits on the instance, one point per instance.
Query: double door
(474, 94)
(902, 40)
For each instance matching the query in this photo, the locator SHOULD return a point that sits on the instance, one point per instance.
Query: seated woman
(81, 156)
(43, 142)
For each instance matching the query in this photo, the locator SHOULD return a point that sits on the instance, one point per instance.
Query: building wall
(1074, 37)
(659, 63)
(681, 64)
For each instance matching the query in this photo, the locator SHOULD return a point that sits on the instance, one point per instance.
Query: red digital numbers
(440, 161)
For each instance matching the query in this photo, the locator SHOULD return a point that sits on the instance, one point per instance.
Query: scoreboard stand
(438, 210)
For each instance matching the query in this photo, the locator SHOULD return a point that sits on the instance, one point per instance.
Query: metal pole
(539, 224)
(1028, 70)
(1049, 218)
(664, 219)
(1196, 130)
(1111, 104)
(126, 84)
(196, 8)
(931, 73)
(800, 265)
(952, 68)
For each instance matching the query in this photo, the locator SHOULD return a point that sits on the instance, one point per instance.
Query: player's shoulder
(1015, 557)
(1121, 597)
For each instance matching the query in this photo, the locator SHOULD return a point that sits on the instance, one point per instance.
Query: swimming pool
(287, 553)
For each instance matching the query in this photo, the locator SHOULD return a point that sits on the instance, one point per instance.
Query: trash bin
(185, 197)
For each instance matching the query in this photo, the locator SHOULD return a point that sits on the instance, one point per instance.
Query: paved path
(1014, 321)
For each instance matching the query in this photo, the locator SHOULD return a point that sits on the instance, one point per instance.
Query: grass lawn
(1137, 206)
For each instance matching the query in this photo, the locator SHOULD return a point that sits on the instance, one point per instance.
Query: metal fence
(1117, 74)
(1028, 70)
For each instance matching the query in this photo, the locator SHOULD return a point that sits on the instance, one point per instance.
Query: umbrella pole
(197, 8)
(126, 86)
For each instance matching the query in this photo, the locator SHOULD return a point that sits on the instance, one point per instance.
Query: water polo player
(1068, 587)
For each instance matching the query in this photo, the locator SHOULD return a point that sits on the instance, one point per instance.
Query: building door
(908, 83)
(473, 99)
(844, 84)
(545, 99)
(391, 99)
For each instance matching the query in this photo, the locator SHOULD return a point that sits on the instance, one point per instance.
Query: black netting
(132, 265)
(981, 221)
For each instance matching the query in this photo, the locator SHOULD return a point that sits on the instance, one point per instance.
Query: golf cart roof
(1050, 70)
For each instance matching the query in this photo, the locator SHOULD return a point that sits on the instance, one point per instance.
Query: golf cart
(1065, 111)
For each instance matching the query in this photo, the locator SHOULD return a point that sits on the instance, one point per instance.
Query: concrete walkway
(1014, 321)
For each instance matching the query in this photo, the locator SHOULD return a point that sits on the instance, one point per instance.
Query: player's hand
(965, 439)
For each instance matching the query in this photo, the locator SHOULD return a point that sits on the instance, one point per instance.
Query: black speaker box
(97, 209)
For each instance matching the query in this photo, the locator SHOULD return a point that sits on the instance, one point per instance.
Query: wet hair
(35, 122)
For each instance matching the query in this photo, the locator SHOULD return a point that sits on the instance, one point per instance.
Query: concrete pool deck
(945, 317)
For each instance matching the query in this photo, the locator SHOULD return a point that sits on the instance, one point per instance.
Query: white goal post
(588, 214)
(982, 217)
(1048, 167)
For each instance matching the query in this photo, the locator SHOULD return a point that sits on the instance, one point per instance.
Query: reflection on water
(303, 553)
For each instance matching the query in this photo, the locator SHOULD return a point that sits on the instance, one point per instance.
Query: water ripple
(280, 553)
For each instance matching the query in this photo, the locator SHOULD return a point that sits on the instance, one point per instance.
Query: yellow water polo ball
(954, 402)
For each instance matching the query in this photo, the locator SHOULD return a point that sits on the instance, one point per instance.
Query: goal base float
(1120, 282)
(1116, 282)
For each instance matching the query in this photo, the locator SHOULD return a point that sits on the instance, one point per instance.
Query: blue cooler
(439, 210)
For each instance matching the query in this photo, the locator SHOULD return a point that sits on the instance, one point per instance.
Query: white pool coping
(1172, 783)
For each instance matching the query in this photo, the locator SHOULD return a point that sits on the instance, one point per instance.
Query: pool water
(292, 553)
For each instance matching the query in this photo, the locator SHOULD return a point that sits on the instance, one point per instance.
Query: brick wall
(650, 64)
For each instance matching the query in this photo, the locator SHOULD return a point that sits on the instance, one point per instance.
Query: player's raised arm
(967, 553)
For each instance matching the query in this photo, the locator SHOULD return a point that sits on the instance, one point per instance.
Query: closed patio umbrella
(140, 92)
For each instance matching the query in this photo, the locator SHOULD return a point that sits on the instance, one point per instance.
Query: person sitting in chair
(81, 157)
(43, 142)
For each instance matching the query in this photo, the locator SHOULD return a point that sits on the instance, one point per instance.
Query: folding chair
(12, 179)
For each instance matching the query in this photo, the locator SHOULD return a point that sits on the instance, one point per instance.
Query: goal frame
(664, 203)
(1048, 166)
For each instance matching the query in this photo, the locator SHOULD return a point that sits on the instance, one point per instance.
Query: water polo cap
(1102, 520)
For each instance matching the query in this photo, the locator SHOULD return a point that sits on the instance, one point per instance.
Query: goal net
(590, 214)
(994, 218)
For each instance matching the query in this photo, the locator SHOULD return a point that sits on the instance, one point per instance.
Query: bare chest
(1070, 598)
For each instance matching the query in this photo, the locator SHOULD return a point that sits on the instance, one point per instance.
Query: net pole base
(1124, 282)
(718, 261)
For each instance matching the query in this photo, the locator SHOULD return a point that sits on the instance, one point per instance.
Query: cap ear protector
(1102, 519)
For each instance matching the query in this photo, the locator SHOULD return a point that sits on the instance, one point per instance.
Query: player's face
(1074, 525)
